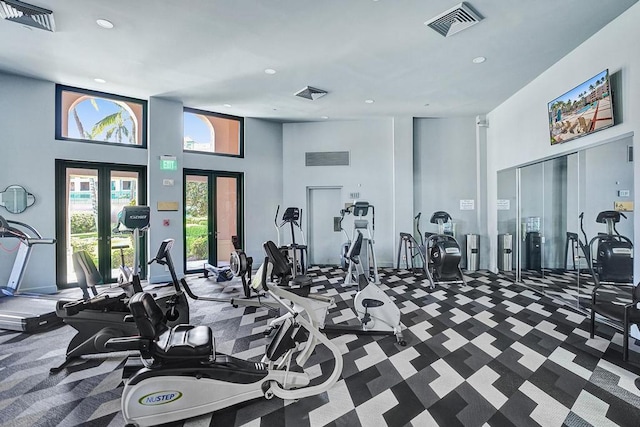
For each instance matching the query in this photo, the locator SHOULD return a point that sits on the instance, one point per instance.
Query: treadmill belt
(28, 314)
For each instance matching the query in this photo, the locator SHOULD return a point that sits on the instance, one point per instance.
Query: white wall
(518, 128)
(446, 171)
(370, 172)
(27, 124)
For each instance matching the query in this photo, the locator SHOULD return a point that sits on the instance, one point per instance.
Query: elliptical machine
(367, 257)
(296, 252)
(183, 375)
(443, 254)
(609, 255)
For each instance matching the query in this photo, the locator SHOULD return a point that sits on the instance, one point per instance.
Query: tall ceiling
(211, 54)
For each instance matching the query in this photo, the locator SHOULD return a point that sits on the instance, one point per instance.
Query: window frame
(240, 120)
(60, 115)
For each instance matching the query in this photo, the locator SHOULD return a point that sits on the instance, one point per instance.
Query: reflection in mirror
(606, 183)
(16, 199)
(551, 195)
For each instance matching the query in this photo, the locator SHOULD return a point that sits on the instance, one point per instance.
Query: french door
(89, 197)
(212, 215)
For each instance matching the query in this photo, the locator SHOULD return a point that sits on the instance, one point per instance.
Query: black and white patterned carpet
(488, 353)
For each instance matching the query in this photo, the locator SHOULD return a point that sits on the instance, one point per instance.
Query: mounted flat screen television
(585, 109)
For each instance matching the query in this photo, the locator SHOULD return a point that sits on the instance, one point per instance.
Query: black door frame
(104, 216)
(211, 219)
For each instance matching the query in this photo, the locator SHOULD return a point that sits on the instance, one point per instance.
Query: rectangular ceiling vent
(454, 20)
(326, 158)
(311, 93)
(26, 14)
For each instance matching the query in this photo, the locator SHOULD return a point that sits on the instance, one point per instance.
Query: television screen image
(585, 109)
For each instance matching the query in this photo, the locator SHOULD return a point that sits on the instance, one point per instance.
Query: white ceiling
(207, 53)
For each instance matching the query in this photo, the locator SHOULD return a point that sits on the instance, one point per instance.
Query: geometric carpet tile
(487, 353)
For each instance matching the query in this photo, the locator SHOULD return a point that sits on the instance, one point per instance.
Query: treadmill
(19, 311)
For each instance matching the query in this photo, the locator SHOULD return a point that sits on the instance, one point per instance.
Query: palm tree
(76, 118)
(116, 125)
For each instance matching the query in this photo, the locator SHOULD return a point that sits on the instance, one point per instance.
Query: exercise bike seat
(178, 342)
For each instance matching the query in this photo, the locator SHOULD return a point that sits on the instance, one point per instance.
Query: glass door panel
(81, 223)
(226, 217)
(196, 221)
(532, 237)
(213, 209)
(124, 192)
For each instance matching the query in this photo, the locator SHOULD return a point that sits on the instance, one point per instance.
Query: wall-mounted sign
(168, 163)
(504, 204)
(168, 206)
(623, 206)
(467, 205)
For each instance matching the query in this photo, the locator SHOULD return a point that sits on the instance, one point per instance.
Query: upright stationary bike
(411, 251)
(376, 312)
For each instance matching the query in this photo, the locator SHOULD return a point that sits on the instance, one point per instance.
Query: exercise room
(302, 213)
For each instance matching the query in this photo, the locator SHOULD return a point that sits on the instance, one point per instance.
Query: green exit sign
(168, 164)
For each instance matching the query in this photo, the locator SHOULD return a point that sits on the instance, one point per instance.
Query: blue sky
(89, 116)
(584, 87)
(196, 129)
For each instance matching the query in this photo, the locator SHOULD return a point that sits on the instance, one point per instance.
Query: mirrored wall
(539, 209)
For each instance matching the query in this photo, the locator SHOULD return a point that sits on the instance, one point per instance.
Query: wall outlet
(623, 193)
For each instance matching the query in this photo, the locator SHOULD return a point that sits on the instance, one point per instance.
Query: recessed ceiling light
(226, 105)
(479, 60)
(369, 101)
(104, 23)
(324, 117)
(98, 80)
(269, 71)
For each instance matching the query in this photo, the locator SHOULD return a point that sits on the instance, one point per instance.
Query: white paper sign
(467, 205)
(504, 204)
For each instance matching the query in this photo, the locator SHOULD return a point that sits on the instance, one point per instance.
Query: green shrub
(128, 257)
(196, 230)
(88, 244)
(197, 248)
(82, 222)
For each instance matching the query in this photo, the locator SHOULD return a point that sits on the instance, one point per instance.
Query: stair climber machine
(609, 255)
(443, 254)
(367, 257)
(180, 375)
(21, 311)
(411, 251)
(296, 252)
(107, 315)
(377, 314)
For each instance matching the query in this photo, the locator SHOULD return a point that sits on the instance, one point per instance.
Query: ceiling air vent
(454, 20)
(311, 93)
(26, 14)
